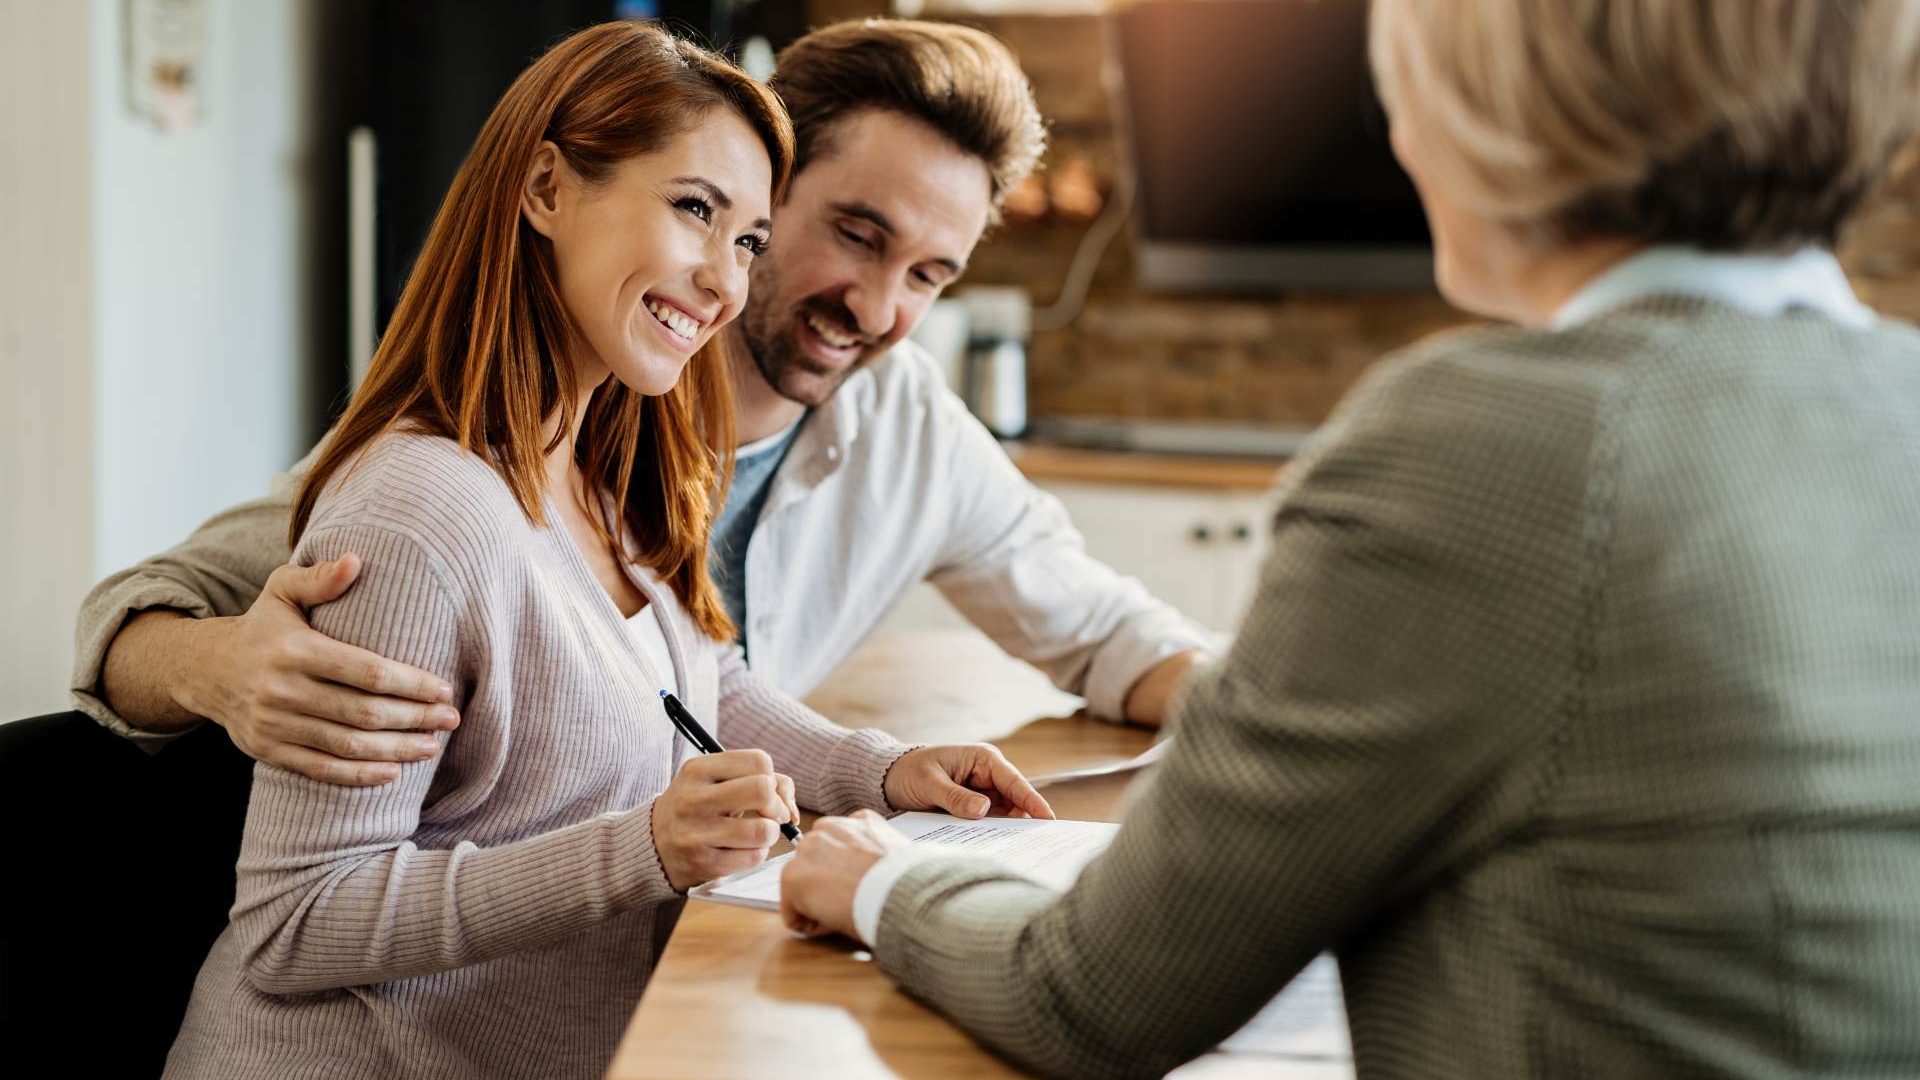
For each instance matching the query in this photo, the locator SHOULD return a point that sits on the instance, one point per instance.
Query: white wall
(198, 245)
(46, 331)
(153, 365)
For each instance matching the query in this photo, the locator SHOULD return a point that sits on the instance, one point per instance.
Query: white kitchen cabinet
(1199, 549)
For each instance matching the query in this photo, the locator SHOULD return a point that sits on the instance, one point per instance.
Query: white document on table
(1141, 760)
(1305, 1022)
(1051, 852)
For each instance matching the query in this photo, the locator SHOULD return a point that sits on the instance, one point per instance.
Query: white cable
(1086, 258)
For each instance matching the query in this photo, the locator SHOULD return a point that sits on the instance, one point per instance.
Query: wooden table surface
(736, 995)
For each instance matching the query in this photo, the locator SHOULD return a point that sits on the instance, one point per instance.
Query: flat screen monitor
(1260, 151)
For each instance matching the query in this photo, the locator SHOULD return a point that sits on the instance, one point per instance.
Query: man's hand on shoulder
(290, 696)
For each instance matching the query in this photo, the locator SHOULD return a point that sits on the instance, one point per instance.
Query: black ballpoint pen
(707, 744)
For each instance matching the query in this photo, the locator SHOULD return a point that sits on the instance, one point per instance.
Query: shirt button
(833, 453)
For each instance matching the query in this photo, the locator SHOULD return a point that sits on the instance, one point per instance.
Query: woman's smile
(673, 320)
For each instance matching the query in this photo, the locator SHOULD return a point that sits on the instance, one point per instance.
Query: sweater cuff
(870, 896)
(856, 774)
(919, 946)
(101, 620)
(639, 873)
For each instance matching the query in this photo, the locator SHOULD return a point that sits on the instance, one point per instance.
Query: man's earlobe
(540, 193)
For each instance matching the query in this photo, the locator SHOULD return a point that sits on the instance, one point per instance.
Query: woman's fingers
(787, 796)
(958, 800)
(728, 765)
(720, 815)
(738, 833)
(726, 861)
(1015, 790)
(758, 795)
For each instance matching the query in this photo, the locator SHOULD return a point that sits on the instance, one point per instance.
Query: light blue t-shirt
(753, 468)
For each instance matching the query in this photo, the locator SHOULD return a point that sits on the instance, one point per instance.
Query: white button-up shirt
(892, 482)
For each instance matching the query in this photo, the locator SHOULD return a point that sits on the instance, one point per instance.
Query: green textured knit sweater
(1579, 714)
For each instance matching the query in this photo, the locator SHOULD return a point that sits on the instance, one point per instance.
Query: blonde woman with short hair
(1579, 714)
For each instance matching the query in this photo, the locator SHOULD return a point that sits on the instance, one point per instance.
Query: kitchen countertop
(1043, 461)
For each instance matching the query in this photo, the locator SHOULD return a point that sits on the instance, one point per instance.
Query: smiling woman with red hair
(527, 475)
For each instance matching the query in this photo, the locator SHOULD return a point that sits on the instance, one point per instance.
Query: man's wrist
(1151, 696)
(145, 676)
(191, 645)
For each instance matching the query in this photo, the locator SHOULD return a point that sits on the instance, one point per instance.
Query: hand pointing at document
(968, 780)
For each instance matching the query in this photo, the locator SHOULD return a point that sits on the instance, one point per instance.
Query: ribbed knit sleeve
(332, 889)
(834, 770)
(1014, 565)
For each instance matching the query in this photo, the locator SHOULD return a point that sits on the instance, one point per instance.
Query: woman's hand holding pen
(720, 815)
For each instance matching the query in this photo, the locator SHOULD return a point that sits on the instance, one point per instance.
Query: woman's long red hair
(476, 347)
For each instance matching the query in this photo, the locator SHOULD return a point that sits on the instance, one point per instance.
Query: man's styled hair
(962, 82)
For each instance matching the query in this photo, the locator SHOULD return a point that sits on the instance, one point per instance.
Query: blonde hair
(1727, 124)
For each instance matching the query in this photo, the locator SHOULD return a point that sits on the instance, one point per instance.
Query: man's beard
(774, 342)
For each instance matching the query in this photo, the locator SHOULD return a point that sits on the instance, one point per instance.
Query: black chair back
(122, 875)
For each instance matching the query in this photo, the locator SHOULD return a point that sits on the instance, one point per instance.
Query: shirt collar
(761, 446)
(1763, 285)
(826, 435)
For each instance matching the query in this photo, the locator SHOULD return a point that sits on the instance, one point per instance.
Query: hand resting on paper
(967, 781)
(817, 887)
